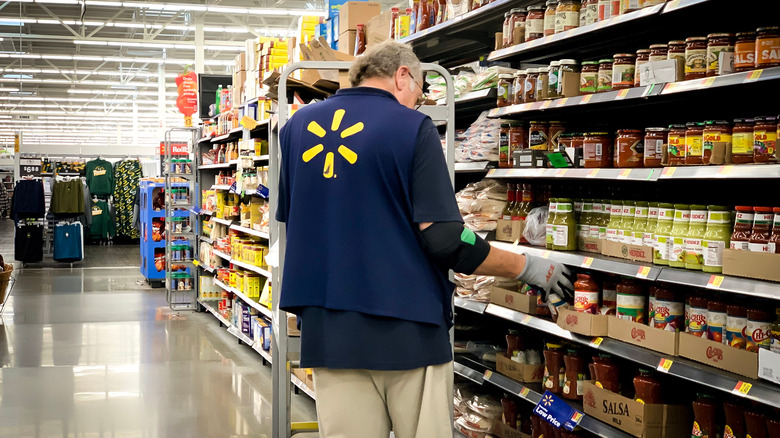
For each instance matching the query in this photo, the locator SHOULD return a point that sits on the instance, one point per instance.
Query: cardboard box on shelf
(509, 231)
(652, 338)
(318, 50)
(725, 357)
(346, 42)
(760, 265)
(630, 252)
(570, 84)
(583, 323)
(501, 430)
(353, 13)
(513, 300)
(240, 62)
(518, 371)
(378, 28)
(638, 419)
(769, 365)
(292, 325)
(589, 244)
(660, 72)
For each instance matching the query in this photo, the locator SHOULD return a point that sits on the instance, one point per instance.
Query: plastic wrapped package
(437, 86)
(474, 287)
(535, 231)
(484, 405)
(480, 141)
(463, 82)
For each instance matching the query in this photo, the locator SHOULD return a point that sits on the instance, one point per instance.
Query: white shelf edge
(252, 303)
(251, 231)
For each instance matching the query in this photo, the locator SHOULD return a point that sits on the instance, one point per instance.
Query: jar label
(534, 26)
(774, 342)
(744, 218)
(594, 232)
(695, 61)
(654, 148)
(678, 250)
(631, 307)
(758, 247)
(697, 321)
(612, 235)
(718, 217)
(739, 246)
(713, 252)
(604, 80)
(586, 301)
(745, 55)
(698, 216)
(538, 139)
(736, 328)
(716, 325)
(758, 333)
(713, 57)
(626, 237)
(661, 247)
(591, 13)
(772, 247)
(764, 142)
(603, 233)
(609, 298)
(676, 146)
(648, 239)
(549, 23)
(693, 252)
(560, 235)
(712, 137)
(588, 82)
(639, 238)
(693, 144)
(503, 92)
(767, 51)
(623, 75)
(666, 313)
(742, 143)
(566, 20)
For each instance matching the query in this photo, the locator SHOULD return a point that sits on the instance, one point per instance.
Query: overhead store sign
(176, 148)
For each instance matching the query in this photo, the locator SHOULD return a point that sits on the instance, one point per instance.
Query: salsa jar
(586, 294)
(517, 139)
(676, 50)
(705, 412)
(575, 375)
(538, 138)
(553, 72)
(696, 323)
(764, 139)
(504, 90)
(736, 326)
(534, 23)
(743, 226)
(716, 133)
(655, 143)
(659, 52)
(554, 131)
(768, 47)
(759, 327)
(554, 371)
(695, 58)
(745, 52)
(774, 238)
(718, 43)
(762, 229)
(503, 146)
(518, 92)
(693, 142)
(716, 320)
(589, 11)
(605, 75)
(623, 69)
(742, 141)
(542, 78)
(629, 148)
(589, 77)
(607, 374)
(566, 66)
(567, 15)
(631, 301)
(516, 26)
(647, 388)
(506, 30)
(549, 17)
(597, 149)
(676, 144)
(668, 310)
(529, 86)
(642, 57)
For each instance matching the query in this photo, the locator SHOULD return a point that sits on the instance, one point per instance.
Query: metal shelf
(251, 267)
(302, 386)
(467, 373)
(221, 255)
(637, 174)
(218, 165)
(596, 262)
(474, 306)
(265, 354)
(261, 234)
(220, 187)
(742, 286)
(260, 158)
(682, 368)
(232, 135)
(222, 221)
(741, 171)
(208, 269)
(478, 166)
(252, 303)
(206, 239)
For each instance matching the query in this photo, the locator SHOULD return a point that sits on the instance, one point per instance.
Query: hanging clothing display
(68, 197)
(100, 177)
(68, 243)
(102, 226)
(5, 201)
(28, 199)
(28, 243)
(128, 173)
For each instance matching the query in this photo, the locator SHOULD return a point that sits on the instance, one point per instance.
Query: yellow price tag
(669, 171)
(562, 102)
(586, 99)
(488, 373)
(624, 173)
(664, 365)
(248, 123)
(596, 342)
(742, 388)
(707, 82)
(643, 272)
(674, 4)
(524, 392)
(562, 172)
(715, 281)
(526, 319)
(755, 74)
(593, 173)
(196, 263)
(622, 94)
(587, 262)
(725, 170)
(546, 254)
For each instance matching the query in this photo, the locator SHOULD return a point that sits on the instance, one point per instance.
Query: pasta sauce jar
(745, 52)
(659, 52)
(623, 69)
(642, 57)
(597, 149)
(534, 23)
(567, 15)
(742, 141)
(676, 50)
(549, 17)
(768, 47)
(589, 77)
(629, 148)
(655, 142)
(716, 44)
(695, 58)
(716, 138)
(764, 139)
(693, 142)
(676, 144)
(537, 136)
(605, 76)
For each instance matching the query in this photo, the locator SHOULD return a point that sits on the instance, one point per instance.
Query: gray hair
(382, 61)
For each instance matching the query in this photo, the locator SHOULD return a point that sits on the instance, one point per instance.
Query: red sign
(178, 148)
(187, 88)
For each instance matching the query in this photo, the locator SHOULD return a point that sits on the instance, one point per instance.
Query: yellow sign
(16, 143)
(742, 388)
(596, 342)
(664, 365)
(248, 123)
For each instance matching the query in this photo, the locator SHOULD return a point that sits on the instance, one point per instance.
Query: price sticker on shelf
(596, 342)
(592, 173)
(546, 104)
(586, 98)
(664, 365)
(673, 5)
(526, 319)
(248, 123)
(624, 173)
(562, 102)
(706, 83)
(715, 281)
(643, 272)
(753, 75)
(546, 254)
(488, 373)
(587, 262)
(524, 392)
(561, 172)
(196, 263)
(622, 94)
(742, 389)
(669, 171)
(668, 88)
(725, 170)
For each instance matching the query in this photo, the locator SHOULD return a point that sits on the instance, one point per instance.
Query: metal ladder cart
(286, 350)
(181, 228)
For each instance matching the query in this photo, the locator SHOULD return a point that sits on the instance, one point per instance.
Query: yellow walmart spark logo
(547, 400)
(347, 153)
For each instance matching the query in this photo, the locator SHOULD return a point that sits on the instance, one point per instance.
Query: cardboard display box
(570, 84)
(742, 362)
(652, 338)
(292, 326)
(501, 430)
(630, 252)
(529, 158)
(378, 28)
(509, 231)
(518, 371)
(638, 419)
(513, 300)
(660, 72)
(353, 13)
(319, 50)
(589, 245)
(760, 265)
(346, 42)
(769, 365)
(583, 323)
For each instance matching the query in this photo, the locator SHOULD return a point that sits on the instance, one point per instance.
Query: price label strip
(546, 254)
(587, 262)
(753, 75)
(643, 272)
(596, 342)
(562, 102)
(726, 170)
(664, 365)
(524, 392)
(715, 281)
(669, 171)
(586, 99)
(624, 173)
(742, 389)
(592, 173)
(622, 94)
(526, 319)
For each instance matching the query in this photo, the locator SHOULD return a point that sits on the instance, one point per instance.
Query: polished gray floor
(94, 352)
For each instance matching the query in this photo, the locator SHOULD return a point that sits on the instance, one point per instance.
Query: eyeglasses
(422, 98)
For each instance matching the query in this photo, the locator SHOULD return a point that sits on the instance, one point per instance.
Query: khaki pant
(369, 404)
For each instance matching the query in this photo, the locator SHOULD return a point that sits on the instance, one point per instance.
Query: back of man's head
(382, 61)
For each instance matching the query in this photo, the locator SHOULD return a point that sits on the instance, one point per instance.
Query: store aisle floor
(95, 352)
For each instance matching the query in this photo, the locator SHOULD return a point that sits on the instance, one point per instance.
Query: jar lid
(555, 122)
(534, 8)
(746, 34)
(770, 119)
(519, 73)
(677, 126)
(716, 122)
(568, 62)
(538, 123)
(743, 208)
(694, 124)
(676, 42)
(720, 35)
(551, 2)
(624, 55)
(695, 39)
(606, 60)
(682, 207)
(507, 15)
(766, 29)
(505, 125)
(660, 46)
(762, 209)
(505, 76)
(629, 131)
(642, 51)
(517, 11)
(590, 63)
(747, 120)
(597, 133)
(553, 63)
(656, 129)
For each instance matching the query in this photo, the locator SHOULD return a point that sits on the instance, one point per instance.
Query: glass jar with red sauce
(745, 52)
(735, 419)
(762, 229)
(755, 423)
(554, 132)
(517, 139)
(577, 139)
(549, 17)
(676, 145)
(717, 43)
(695, 58)
(517, 87)
(743, 226)
(553, 369)
(575, 375)
(586, 294)
(655, 143)
(668, 309)
(516, 26)
(764, 139)
(705, 413)
(534, 23)
(629, 148)
(774, 238)
(642, 57)
(768, 47)
(514, 342)
(647, 388)
(716, 131)
(697, 316)
(694, 133)
(597, 149)
(623, 70)
(607, 374)
(742, 141)
(676, 50)
(529, 86)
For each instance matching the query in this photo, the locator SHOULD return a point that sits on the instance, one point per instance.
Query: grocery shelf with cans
(730, 171)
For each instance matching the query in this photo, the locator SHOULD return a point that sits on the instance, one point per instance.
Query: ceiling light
(178, 61)
(122, 92)
(161, 6)
(158, 45)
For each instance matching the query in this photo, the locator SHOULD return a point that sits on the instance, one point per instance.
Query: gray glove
(548, 275)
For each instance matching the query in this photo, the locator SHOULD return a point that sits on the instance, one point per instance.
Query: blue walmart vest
(345, 196)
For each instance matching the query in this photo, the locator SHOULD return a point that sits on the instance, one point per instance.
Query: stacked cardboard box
(239, 79)
(351, 14)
